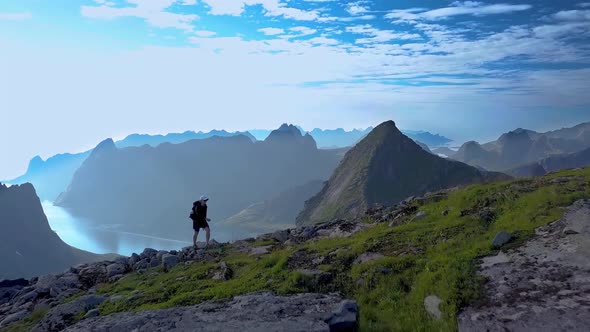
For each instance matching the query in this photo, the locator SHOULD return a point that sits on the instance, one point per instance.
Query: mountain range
(385, 168)
(28, 246)
(52, 176)
(521, 147)
(151, 189)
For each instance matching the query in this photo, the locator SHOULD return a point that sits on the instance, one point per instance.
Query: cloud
(474, 8)
(16, 16)
(205, 33)
(271, 31)
(272, 8)
(153, 12)
(584, 5)
(573, 15)
(379, 36)
(303, 31)
(356, 8)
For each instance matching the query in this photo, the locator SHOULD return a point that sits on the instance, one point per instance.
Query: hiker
(199, 217)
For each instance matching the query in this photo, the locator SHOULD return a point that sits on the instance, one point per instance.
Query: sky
(75, 72)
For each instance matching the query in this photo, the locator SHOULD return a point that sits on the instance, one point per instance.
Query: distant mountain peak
(105, 146)
(35, 164)
(288, 133)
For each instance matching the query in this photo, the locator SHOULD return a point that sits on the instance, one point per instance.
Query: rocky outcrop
(254, 312)
(543, 285)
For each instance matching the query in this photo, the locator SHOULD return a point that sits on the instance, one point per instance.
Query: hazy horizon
(77, 72)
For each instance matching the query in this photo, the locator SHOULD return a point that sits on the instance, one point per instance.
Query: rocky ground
(543, 285)
(58, 294)
(254, 312)
(397, 264)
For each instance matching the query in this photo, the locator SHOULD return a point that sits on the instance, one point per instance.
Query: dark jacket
(199, 211)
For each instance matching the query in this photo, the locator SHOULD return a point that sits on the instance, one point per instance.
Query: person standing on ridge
(199, 217)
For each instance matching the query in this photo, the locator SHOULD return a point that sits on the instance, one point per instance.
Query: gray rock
(92, 313)
(141, 265)
(431, 304)
(260, 250)
(64, 315)
(154, 262)
(501, 239)
(115, 269)
(133, 259)
(148, 253)
(160, 254)
(420, 215)
(93, 274)
(224, 273)
(13, 318)
(345, 317)
(247, 313)
(367, 257)
(169, 261)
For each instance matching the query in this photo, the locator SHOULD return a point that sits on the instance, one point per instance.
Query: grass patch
(28, 323)
(434, 255)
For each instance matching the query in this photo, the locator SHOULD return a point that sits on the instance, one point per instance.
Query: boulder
(431, 304)
(115, 269)
(148, 253)
(345, 317)
(260, 250)
(141, 265)
(501, 239)
(133, 259)
(92, 313)
(367, 257)
(93, 274)
(169, 261)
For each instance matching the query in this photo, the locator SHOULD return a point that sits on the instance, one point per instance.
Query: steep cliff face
(28, 246)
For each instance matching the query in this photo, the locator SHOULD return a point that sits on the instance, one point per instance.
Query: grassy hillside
(433, 255)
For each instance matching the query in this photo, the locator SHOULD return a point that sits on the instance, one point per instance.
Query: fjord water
(101, 239)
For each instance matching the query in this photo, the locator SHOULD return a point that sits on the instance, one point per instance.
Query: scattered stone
(431, 304)
(169, 261)
(385, 270)
(260, 250)
(92, 313)
(13, 318)
(367, 257)
(501, 239)
(420, 215)
(224, 273)
(445, 212)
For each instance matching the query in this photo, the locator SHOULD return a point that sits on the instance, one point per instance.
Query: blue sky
(75, 72)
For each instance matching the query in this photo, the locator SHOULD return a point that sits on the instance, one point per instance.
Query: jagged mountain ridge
(385, 167)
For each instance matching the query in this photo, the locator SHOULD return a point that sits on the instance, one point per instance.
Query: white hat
(204, 198)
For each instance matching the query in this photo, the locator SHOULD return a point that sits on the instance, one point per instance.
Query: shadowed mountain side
(151, 190)
(556, 163)
(277, 213)
(521, 147)
(52, 176)
(28, 246)
(386, 167)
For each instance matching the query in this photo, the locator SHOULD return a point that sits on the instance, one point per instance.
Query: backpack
(193, 214)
